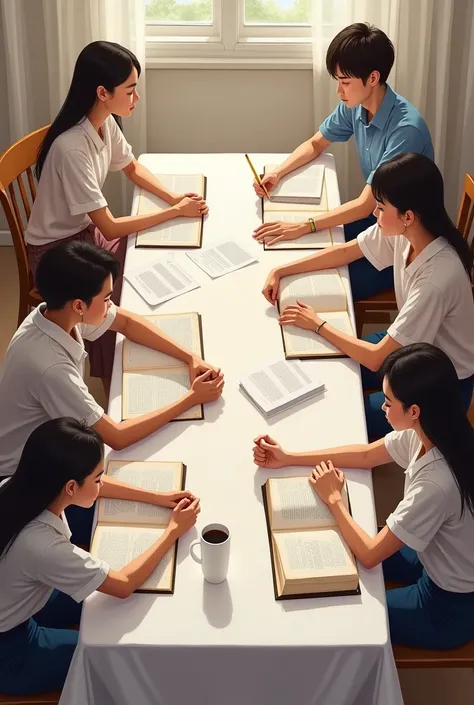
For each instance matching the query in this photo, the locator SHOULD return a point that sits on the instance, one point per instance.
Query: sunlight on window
(181, 11)
(278, 11)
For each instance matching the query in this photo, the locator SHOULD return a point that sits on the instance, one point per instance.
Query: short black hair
(358, 50)
(74, 270)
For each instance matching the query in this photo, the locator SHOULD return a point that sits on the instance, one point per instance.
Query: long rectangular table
(233, 644)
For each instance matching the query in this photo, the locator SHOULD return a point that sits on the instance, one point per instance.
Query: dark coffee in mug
(215, 536)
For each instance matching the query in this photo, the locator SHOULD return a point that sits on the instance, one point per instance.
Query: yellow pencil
(257, 177)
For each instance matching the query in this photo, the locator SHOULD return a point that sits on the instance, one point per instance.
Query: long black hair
(57, 451)
(100, 63)
(424, 375)
(413, 182)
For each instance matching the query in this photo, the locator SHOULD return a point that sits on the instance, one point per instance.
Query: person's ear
(374, 78)
(70, 488)
(102, 93)
(414, 412)
(78, 307)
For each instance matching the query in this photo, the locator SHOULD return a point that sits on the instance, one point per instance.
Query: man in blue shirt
(383, 123)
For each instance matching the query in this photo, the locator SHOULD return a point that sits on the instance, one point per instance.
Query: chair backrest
(15, 163)
(466, 208)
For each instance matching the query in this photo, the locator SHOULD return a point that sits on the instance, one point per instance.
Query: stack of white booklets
(279, 386)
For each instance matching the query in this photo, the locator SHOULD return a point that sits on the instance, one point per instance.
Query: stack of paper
(222, 259)
(279, 386)
(161, 281)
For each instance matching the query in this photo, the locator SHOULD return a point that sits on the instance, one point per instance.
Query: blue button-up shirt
(396, 128)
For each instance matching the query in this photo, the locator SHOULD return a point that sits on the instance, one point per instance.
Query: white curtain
(434, 70)
(43, 39)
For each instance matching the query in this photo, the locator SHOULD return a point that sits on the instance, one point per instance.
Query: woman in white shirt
(82, 145)
(432, 273)
(44, 577)
(427, 543)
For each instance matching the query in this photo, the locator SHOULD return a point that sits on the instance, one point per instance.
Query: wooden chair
(376, 309)
(14, 164)
(408, 657)
(44, 699)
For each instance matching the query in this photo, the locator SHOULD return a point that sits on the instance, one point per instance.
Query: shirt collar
(430, 457)
(430, 251)
(90, 130)
(75, 348)
(381, 116)
(58, 523)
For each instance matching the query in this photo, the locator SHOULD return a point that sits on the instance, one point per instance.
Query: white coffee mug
(215, 551)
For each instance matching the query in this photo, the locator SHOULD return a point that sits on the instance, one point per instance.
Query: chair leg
(23, 309)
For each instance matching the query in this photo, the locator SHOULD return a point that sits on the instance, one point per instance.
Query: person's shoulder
(74, 139)
(406, 115)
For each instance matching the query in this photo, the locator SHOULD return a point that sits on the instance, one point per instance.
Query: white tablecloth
(233, 644)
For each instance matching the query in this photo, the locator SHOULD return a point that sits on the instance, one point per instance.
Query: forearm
(361, 544)
(142, 177)
(303, 154)
(141, 331)
(345, 213)
(138, 570)
(115, 489)
(329, 258)
(121, 435)
(361, 351)
(353, 456)
(112, 228)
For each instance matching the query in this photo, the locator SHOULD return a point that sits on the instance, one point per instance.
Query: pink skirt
(101, 351)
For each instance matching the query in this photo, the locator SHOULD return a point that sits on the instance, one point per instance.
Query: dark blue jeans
(35, 655)
(365, 279)
(377, 424)
(422, 614)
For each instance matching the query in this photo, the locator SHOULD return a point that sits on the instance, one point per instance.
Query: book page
(295, 505)
(316, 240)
(323, 291)
(183, 328)
(274, 205)
(155, 389)
(300, 342)
(176, 183)
(312, 554)
(306, 182)
(178, 232)
(118, 546)
(161, 281)
(149, 475)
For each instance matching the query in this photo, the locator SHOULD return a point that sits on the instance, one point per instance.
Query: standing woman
(82, 145)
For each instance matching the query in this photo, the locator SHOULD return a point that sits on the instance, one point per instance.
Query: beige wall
(228, 110)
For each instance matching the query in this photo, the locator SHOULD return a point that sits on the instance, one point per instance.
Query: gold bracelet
(312, 225)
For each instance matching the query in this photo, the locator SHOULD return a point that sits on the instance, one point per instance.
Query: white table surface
(233, 644)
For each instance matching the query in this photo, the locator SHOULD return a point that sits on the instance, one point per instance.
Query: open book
(324, 291)
(178, 232)
(309, 556)
(126, 529)
(151, 379)
(279, 386)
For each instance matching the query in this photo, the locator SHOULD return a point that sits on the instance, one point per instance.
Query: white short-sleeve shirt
(71, 182)
(428, 519)
(41, 559)
(42, 378)
(434, 296)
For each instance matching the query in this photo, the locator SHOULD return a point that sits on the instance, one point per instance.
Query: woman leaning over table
(427, 542)
(43, 576)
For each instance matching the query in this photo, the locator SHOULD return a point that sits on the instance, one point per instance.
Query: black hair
(424, 375)
(56, 452)
(414, 182)
(73, 270)
(359, 49)
(101, 63)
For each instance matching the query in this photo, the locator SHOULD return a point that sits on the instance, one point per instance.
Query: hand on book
(198, 366)
(275, 232)
(328, 482)
(204, 389)
(172, 499)
(184, 516)
(267, 453)
(269, 181)
(300, 315)
(191, 206)
(270, 289)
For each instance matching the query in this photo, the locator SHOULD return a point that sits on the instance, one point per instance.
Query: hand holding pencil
(262, 186)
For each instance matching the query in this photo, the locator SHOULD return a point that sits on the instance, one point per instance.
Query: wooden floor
(420, 687)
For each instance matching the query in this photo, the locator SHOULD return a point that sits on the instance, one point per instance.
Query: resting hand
(300, 315)
(328, 482)
(267, 453)
(278, 231)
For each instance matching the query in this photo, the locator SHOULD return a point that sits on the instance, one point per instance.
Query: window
(228, 32)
